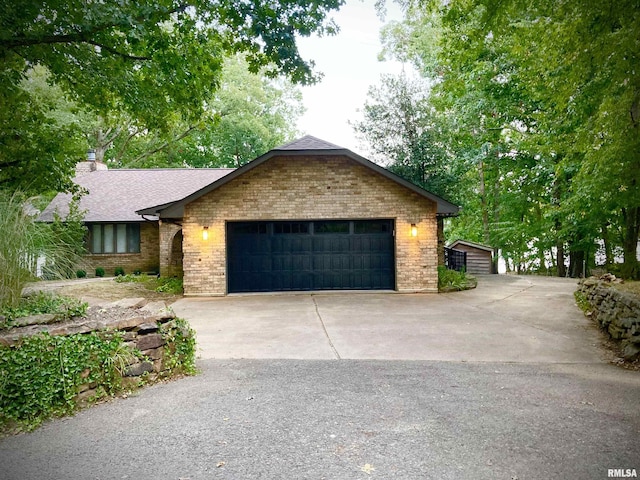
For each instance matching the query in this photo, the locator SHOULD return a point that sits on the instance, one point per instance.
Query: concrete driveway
(505, 319)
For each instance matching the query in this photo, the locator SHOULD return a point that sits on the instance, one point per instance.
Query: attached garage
(307, 216)
(310, 255)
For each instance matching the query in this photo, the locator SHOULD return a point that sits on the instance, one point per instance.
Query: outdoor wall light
(414, 230)
(205, 233)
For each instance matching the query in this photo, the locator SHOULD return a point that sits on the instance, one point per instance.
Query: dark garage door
(319, 255)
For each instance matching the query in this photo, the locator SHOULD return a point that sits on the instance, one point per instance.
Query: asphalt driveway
(505, 319)
(523, 395)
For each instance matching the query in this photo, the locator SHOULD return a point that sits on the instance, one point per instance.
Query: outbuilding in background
(479, 257)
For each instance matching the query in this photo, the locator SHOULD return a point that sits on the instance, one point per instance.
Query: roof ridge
(186, 169)
(309, 142)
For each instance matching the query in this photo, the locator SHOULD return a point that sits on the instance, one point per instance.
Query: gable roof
(303, 146)
(115, 195)
(471, 244)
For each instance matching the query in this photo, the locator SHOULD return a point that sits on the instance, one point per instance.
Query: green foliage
(582, 301)
(180, 350)
(132, 277)
(170, 285)
(402, 129)
(118, 272)
(249, 115)
(450, 280)
(81, 273)
(23, 242)
(540, 104)
(40, 134)
(40, 377)
(156, 63)
(100, 272)
(44, 302)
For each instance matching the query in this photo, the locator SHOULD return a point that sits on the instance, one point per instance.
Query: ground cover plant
(62, 307)
(452, 280)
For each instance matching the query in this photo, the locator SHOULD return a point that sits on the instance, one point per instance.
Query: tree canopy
(541, 102)
(150, 60)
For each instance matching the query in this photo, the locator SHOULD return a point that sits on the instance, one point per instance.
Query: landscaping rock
(147, 328)
(154, 353)
(615, 311)
(631, 352)
(129, 303)
(148, 342)
(40, 319)
(156, 307)
(138, 369)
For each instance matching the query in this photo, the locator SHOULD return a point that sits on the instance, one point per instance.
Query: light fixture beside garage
(414, 230)
(205, 233)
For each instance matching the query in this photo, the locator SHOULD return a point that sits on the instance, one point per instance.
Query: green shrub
(99, 272)
(44, 302)
(81, 273)
(170, 285)
(137, 271)
(180, 357)
(582, 301)
(133, 278)
(40, 377)
(451, 279)
(119, 272)
(23, 241)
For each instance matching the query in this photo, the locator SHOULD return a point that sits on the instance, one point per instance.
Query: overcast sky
(349, 61)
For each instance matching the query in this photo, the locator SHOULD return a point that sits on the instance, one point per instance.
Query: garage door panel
(283, 256)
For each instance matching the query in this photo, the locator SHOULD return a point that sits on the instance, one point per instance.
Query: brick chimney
(90, 164)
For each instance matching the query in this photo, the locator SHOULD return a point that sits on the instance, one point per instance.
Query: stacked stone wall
(616, 312)
(145, 326)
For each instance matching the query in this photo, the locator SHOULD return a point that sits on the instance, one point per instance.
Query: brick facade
(170, 250)
(309, 188)
(146, 260)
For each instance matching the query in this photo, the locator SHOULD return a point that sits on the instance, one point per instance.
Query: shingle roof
(115, 195)
(309, 142)
(470, 244)
(303, 146)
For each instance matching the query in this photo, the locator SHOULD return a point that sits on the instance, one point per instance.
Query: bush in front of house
(81, 274)
(99, 272)
(119, 272)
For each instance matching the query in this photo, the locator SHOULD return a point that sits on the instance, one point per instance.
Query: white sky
(349, 61)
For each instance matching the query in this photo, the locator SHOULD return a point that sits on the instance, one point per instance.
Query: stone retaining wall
(616, 312)
(145, 327)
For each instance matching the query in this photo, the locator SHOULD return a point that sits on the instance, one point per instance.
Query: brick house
(308, 215)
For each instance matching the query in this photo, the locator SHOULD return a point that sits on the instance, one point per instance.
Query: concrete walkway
(505, 319)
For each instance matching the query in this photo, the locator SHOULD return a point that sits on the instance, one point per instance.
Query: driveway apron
(505, 319)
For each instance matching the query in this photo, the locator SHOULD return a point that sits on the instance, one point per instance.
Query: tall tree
(150, 59)
(248, 115)
(564, 73)
(399, 126)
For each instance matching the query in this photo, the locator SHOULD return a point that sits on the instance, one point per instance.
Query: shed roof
(304, 146)
(115, 195)
(471, 244)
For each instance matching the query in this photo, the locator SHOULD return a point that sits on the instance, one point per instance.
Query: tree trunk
(562, 268)
(608, 252)
(576, 263)
(631, 217)
(483, 205)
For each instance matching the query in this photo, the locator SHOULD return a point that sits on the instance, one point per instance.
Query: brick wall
(147, 260)
(308, 188)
